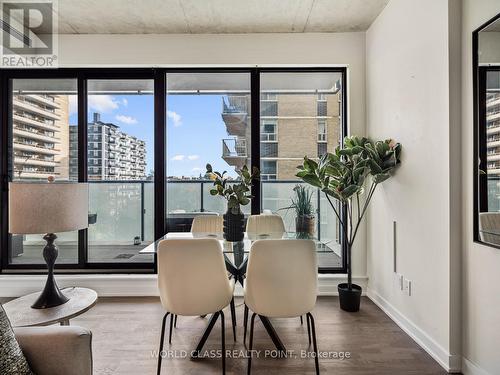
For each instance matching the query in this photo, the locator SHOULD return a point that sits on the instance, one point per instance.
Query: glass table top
(324, 246)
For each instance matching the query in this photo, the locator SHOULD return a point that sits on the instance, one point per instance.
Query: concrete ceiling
(215, 16)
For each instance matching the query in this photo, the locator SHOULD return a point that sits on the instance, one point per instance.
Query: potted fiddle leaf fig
(237, 193)
(343, 176)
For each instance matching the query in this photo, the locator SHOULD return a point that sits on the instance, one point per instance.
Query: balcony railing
(122, 215)
(234, 151)
(232, 147)
(125, 209)
(235, 104)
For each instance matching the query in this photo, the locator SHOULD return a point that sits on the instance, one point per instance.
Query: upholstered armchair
(57, 350)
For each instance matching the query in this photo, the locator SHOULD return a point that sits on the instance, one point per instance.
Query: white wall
(409, 72)
(481, 264)
(318, 49)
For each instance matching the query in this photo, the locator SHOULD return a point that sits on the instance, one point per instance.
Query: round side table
(21, 314)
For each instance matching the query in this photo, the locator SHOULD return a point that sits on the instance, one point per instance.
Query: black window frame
(480, 182)
(159, 76)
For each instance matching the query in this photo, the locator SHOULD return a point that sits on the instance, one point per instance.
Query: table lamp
(46, 208)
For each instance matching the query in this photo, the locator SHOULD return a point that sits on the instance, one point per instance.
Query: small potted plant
(304, 211)
(237, 194)
(342, 176)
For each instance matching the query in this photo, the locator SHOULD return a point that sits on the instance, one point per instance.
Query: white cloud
(178, 157)
(196, 169)
(102, 103)
(193, 157)
(126, 119)
(125, 102)
(175, 117)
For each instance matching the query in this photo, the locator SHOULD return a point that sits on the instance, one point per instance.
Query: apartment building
(112, 153)
(493, 133)
(293, 124)
(40, 135)
(493, 148)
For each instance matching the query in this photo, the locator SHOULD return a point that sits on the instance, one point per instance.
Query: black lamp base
(51, 296)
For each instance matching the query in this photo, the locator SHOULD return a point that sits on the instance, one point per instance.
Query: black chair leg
(301, 320)
(175, 322)
(233, 318)
(315, 346)
(245, 324)
(162, 338)
(308, 330)
(223, 339)
(250, 344)
(171, 325)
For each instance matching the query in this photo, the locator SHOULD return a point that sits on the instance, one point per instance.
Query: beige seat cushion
(281, 278)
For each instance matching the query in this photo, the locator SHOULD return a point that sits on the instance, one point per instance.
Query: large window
(300, 116)
(42, 117)
(114, 128)
(120, 159)
(208, 121)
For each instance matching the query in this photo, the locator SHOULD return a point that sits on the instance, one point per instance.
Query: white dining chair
(489, 227)
(192, 281)
(265, 224)
(207, 224)
(281, 282)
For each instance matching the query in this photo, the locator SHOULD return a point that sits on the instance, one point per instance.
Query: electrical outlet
(400, 281)
(407, 286)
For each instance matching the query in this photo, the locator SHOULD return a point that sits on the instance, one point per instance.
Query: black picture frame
(480, 183)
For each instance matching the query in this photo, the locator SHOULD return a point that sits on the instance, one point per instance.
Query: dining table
(236, 259)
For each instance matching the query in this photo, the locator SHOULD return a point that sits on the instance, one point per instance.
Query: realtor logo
(29, 38)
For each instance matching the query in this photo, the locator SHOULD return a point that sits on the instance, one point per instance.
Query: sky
(194, 128)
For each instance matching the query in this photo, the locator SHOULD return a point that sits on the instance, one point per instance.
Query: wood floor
(126, 334)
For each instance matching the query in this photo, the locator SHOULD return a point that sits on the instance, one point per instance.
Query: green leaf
(312, 179)
(209, 168)
(350, 190)
(346, 151)
(310, 165)
(232, 200)
(213, 192)
(381, 177)
(357, 149)
(374, 167)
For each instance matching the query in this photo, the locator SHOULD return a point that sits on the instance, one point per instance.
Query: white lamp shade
(38, 208)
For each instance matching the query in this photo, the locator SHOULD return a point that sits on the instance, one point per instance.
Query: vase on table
(234, 225)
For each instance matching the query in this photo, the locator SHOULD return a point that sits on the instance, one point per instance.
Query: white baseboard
(130, 285)
(470, 368)
(451, 363)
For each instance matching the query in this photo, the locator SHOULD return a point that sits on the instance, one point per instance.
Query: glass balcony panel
(120, 169)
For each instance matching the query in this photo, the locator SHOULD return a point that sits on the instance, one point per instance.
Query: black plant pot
(234, 226)
(349, 299)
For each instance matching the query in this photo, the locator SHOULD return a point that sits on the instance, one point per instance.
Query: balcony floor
(102, 253)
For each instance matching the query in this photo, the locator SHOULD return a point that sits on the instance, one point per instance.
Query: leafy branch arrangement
(236, 194)
(343, 176)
